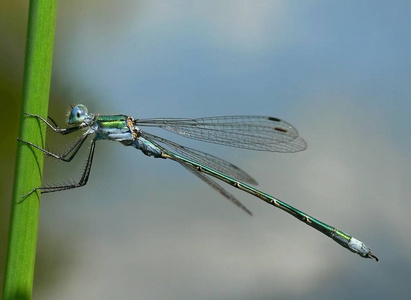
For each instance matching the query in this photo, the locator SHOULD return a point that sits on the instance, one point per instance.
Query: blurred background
(147, 229)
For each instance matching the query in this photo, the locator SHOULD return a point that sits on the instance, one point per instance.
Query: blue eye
(78, 114)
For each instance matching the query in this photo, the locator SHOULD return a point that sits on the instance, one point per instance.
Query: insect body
(250, 132)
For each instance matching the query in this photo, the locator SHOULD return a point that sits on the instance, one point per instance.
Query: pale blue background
(147, 229)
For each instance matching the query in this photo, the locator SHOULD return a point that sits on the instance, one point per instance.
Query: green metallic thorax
(112, 121)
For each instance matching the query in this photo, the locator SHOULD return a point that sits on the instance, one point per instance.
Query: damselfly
(249, 132)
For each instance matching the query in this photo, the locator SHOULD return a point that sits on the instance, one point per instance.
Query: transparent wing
(154, 139)
(249, 132)
(217, 187)
(204, 159)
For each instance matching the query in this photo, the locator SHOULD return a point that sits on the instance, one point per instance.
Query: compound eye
(77, 114)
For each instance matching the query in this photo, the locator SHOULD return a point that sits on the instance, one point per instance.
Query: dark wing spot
(280, 129)
(274, 119)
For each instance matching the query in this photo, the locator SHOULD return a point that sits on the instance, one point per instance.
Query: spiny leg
(68, 155)
(82, 182)
(55, 128)
(52, 121)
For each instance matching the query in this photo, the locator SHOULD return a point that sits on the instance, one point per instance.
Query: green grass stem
(18, 280)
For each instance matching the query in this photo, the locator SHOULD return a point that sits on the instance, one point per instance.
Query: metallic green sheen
(337, 235)
(124, 129)
(113, 121)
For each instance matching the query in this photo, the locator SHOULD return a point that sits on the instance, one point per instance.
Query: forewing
(249, 132)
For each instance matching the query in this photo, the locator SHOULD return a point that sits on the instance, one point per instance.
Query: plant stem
(18, 280)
